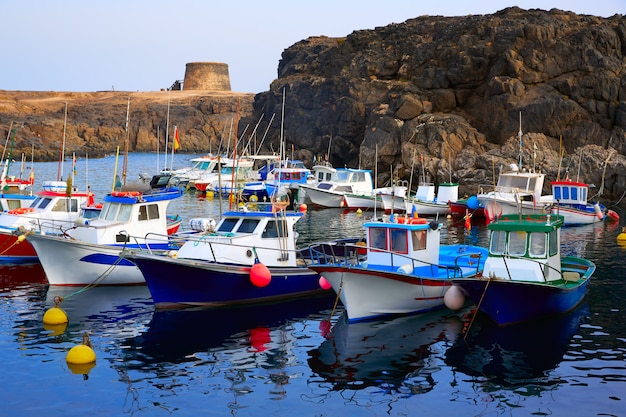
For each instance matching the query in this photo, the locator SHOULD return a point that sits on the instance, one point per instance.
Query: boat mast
(125, 166)
(62, 156)
(519, 135)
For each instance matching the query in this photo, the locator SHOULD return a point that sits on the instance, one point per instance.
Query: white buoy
(454, 298)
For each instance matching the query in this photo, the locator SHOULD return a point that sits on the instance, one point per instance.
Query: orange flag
(176, 140)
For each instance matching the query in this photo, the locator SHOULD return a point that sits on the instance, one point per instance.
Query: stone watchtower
(206, 76)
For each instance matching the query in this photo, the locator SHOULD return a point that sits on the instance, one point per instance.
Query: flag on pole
(74, 164)
(176, 140)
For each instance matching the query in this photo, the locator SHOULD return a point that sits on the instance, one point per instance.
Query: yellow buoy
(622, 236)
(359, 212)
(81, 354)
(55, 315)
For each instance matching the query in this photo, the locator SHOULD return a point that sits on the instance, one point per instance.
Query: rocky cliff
(96, 123)
(446, 94)
(440, 95)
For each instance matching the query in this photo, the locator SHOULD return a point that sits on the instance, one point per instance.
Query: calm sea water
(301, 358)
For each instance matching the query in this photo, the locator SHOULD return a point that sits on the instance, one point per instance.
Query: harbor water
(301, 358)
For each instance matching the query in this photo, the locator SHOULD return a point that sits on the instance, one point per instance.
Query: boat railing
(543, 267)
(352, 252)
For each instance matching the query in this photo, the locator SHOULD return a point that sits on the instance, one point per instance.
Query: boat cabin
(396, 244)
(262, 226)
(525, 248)
(570, 192)
(527, 185)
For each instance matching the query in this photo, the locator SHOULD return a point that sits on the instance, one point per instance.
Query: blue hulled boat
(248, 257)
(525, 278)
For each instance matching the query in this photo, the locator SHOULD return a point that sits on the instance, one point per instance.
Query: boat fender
(81, 221)
(454, 298)
(405, 269)
(435, 225)
(598, 211)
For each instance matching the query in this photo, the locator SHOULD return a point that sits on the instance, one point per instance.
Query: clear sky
(143, 45)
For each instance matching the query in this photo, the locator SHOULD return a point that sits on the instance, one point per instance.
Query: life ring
(400, 220)
(126, 193)
(22, 210)
(417, 220)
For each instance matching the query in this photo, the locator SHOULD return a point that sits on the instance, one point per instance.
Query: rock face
(439, 95)
(447, 93)
(96, 122)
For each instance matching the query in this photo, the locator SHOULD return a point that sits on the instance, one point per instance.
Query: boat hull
(508, 302)
(425, 208)
(188, 282)
(368, 294)
(16, 250)
(324, 198)
(75, 263)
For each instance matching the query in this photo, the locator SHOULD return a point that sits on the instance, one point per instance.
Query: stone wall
(206, 76)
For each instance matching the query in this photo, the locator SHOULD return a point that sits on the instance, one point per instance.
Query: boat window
(399, 242)
(13, 204)
(275, 228)
(557, 193)
(344, 188)
(537, 247)
(554, 243)
(517, 243)
(566, 193)
(498, 242)
(124, 214)
(66, 205)
(149, 212)
(227, 225)
(44, 203)
(378, 238)
(143, 214)
(419, 239)
(574, 193)
(153, 211)
(109, 212)
(248, 226)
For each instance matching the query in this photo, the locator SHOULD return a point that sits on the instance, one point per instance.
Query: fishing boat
(229, 179)
(516, 191)
(463, 206)
(570, 201)
(56, 206)
(401, 268)
(393, 197)
(88, 253)
(322, 171)
(248, 257)
(202, 165)
(425, 203)
(525, 277)
(331, 193)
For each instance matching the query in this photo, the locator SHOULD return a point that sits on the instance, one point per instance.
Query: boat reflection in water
(395, 355)
(177, 335)
(12, 275)
(513, 356)
(103, 310)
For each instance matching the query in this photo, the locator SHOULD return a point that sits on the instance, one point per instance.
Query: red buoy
(260, 275)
